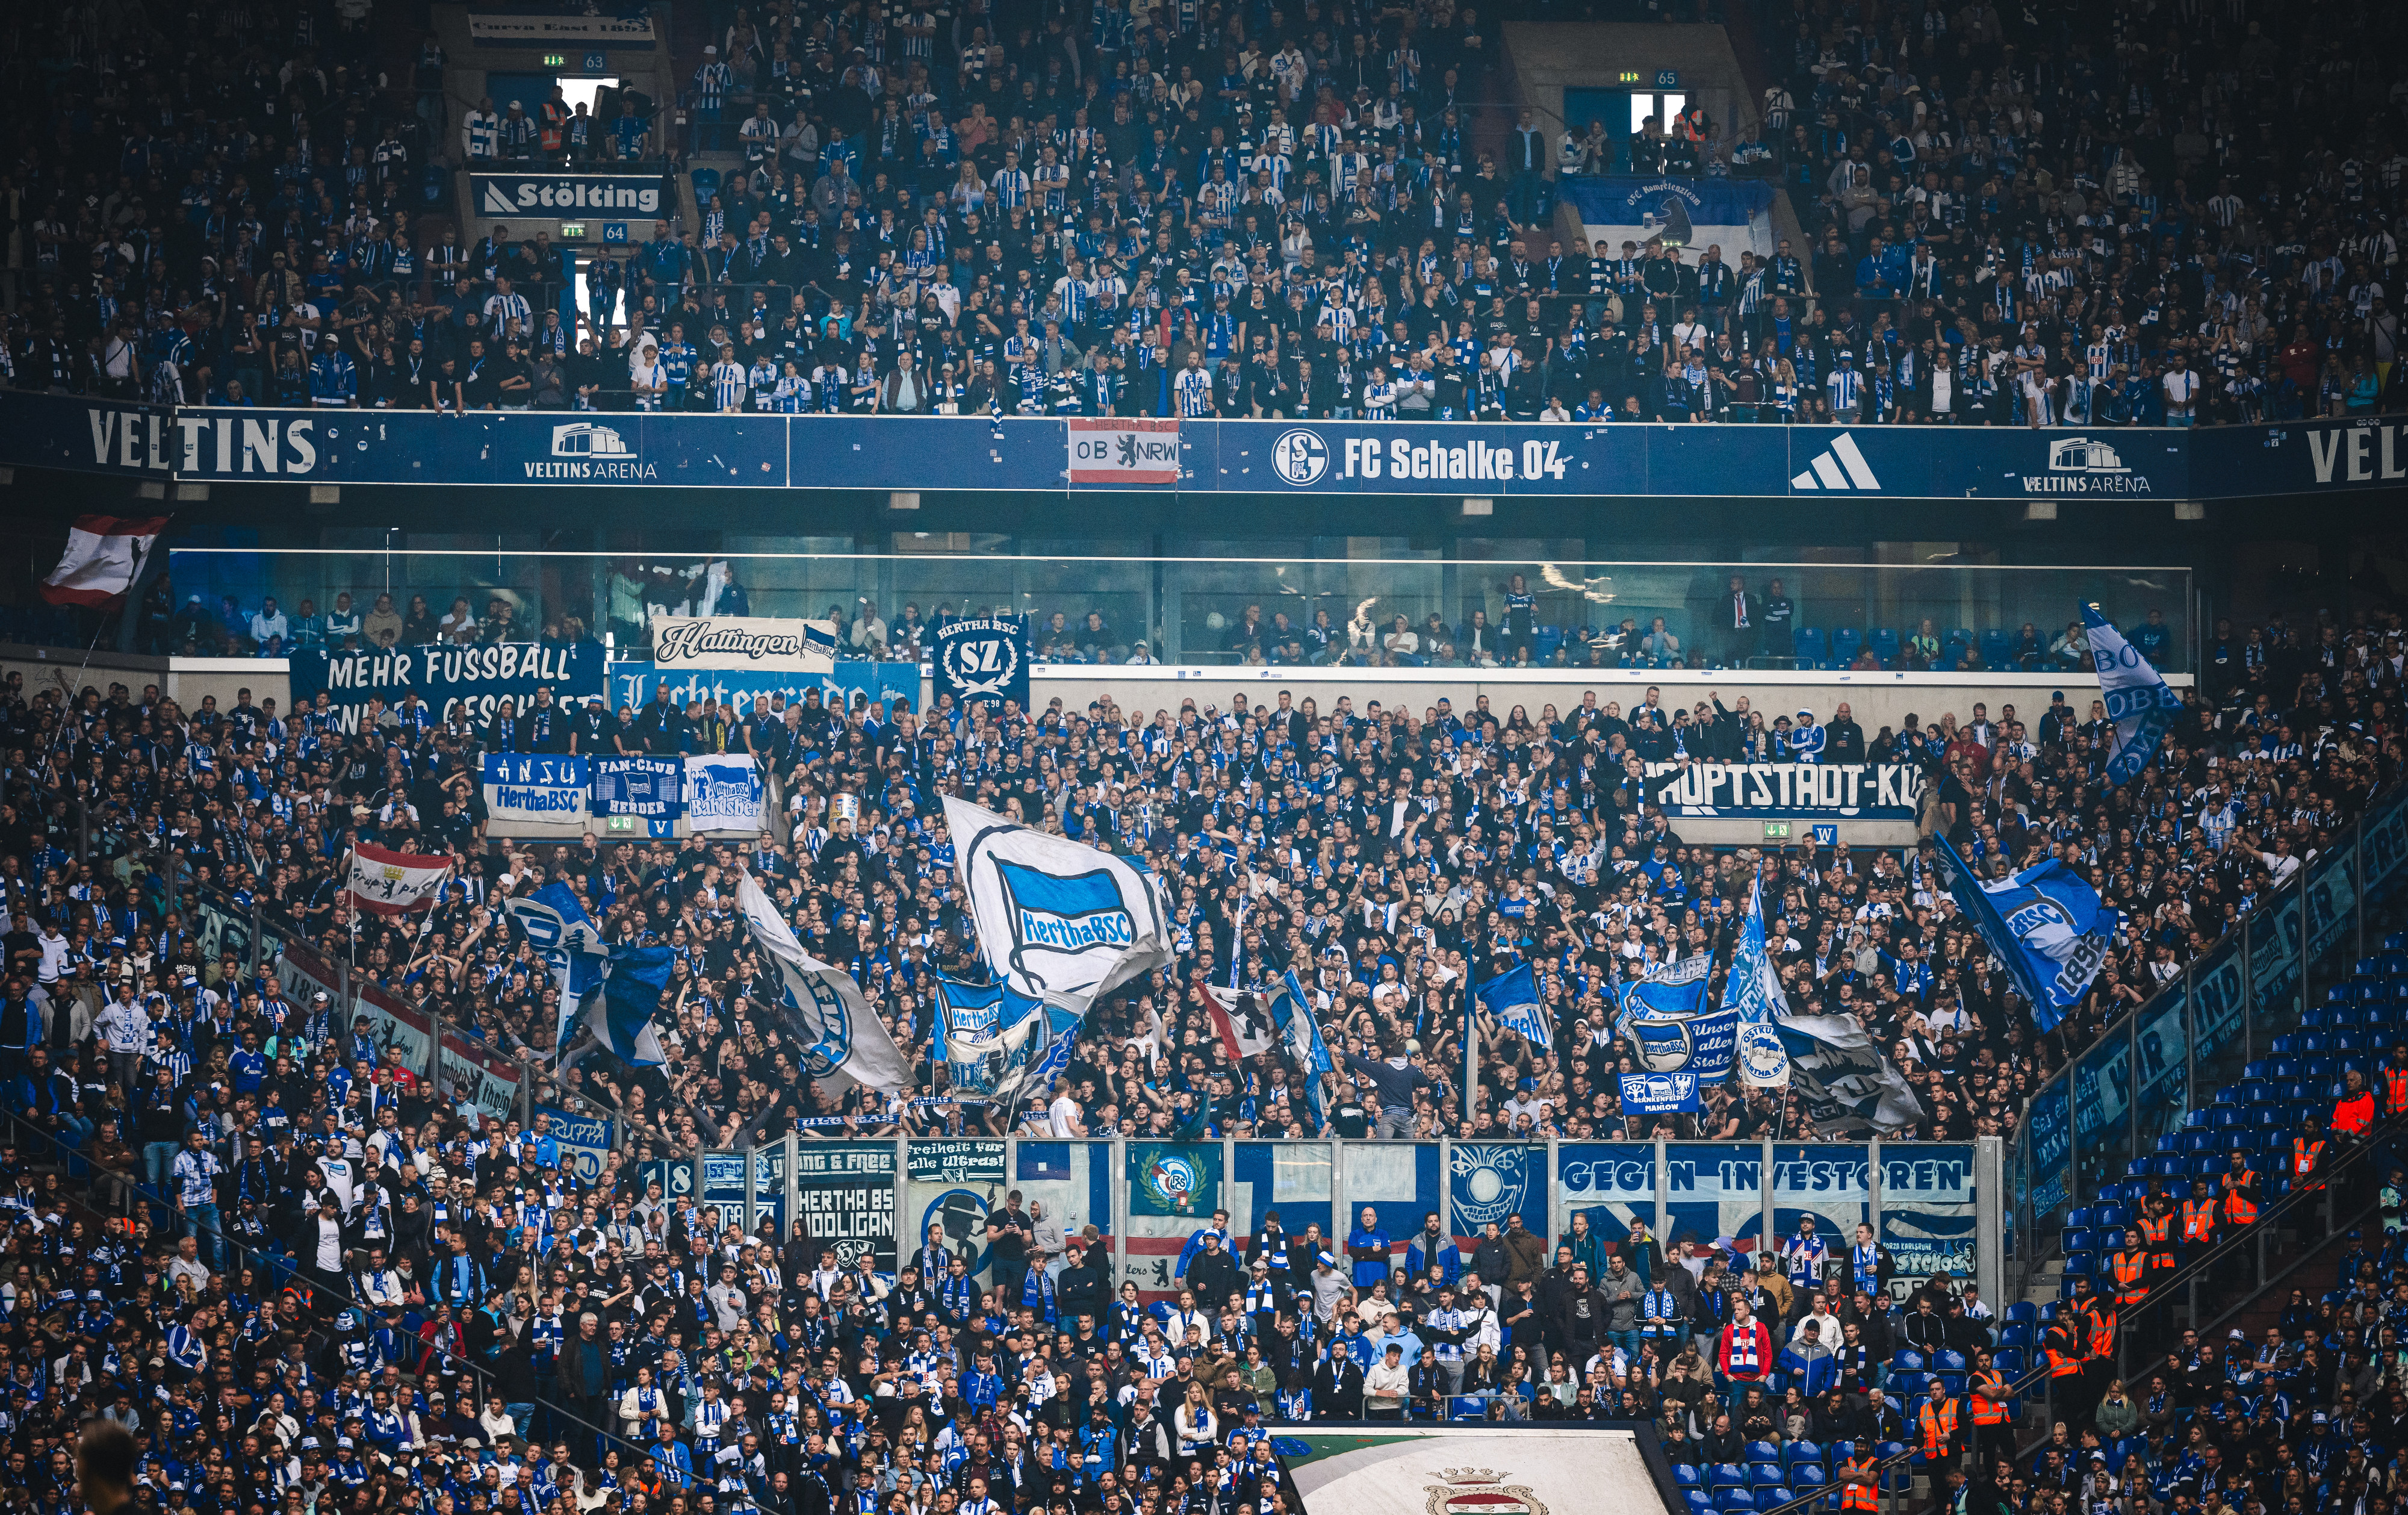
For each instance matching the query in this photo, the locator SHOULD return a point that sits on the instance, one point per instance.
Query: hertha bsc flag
(105, 555)
(566, 943)
(1059, 923)
(394, 883)
(844, 1042)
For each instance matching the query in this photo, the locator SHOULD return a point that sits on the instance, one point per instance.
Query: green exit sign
(555, 60)
(1776, 831)
(621, 823)
(572, 228)
(1629, 75)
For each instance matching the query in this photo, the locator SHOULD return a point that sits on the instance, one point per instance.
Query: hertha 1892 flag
(394, 883)
(105, 553)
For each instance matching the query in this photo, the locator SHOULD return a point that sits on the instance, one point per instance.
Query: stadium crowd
(304, 1274)
(1286, 214)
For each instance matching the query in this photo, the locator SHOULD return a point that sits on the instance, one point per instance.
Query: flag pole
(1470, 1045)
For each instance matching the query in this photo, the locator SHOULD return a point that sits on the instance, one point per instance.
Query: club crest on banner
(1071, 915)
(1490, 1181)
(827, 1011)
(1763, 1062)
(1173, 1182)
(960, 1215)
(1478, 1491)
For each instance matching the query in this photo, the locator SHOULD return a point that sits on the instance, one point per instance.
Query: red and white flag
(387, 883)
(1242, 1021)
(104, 554)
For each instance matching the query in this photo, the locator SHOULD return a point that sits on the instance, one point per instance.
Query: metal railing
(2154, 1065)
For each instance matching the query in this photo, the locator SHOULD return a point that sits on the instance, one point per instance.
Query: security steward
(1986, 1399)
(1859, 1482)
(2061, 1344)
(1939, 1431)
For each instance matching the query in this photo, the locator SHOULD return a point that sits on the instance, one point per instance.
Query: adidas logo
(1841, 465)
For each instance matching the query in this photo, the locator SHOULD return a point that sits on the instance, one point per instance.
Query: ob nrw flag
(2046, 924)
(2138, 702)
(844, 1042)
(1059, 924)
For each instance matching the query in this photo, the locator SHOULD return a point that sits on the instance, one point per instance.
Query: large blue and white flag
(621, 1013)
(1059, 925)
(2046, 924)
(844, 1042)
(967, 1018)
(2138, 702)
(1511, 998)
(1753, 993)
(567, 943)
(1292, 1018)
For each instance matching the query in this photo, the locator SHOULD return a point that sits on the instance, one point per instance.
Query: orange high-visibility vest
(2237, 1207)
(2304, 1154)
(1988, 1411)
(2157, 1234)
(2354, 1114)
(1939, 1429)
(2199, 1222)
(2394, 1091)
(1859, 1496)
(2102, 1316)
(2064, 1348)
(2129, 1268)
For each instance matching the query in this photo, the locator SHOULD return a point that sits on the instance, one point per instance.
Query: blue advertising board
(528, 449)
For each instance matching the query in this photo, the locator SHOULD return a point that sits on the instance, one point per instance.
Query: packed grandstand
(303, 1258)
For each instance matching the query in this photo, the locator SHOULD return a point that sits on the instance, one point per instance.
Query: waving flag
(1847, 1080)
(844, 1042)
(388, 882)
(1059, 924)
(2046, 924)
(565, 941)
(1511, 998)
(104, 556)
(621, 1013)
(2138, 702)
(965, 1019)
(1292, 1014)
(1753, 993)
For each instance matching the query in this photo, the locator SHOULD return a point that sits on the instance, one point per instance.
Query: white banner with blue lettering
(2138, 702)
(2046, 924)
(1059, 923)
(1734, 214)
(543, 790)
(722, 795)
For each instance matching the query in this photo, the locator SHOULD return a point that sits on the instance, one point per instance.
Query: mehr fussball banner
(983, 660)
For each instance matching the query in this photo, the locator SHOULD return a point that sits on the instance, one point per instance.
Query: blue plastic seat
(1799, 1452)
(1698, 1502)
(2081, 1241)
(1687, 1477)
(1727, 1500)
(1909, 1385)
(1906, 1360)
(1949, 1360)
(1728, 1476)
(1996, 646)
(1772, 1495)
(2023, 1311)
(1764, 1451)
(1883, 642)
(1844, 643)
(2010, 1362)
(1765, 1475)
(1806, 645)
(2014, 1334)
